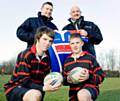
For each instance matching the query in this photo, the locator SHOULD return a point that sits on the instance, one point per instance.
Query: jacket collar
(44, 17)
(81, 18)
(81, 54)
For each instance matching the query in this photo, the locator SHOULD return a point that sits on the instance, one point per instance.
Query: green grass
(3, 80)
(110, 91)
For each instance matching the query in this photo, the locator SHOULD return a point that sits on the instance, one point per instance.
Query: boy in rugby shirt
(88, 88)
(31, 67)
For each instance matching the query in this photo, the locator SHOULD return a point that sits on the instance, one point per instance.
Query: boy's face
(46, 10)
(76, 45)
(44, 42)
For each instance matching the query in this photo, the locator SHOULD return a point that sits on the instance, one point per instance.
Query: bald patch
(75, 8)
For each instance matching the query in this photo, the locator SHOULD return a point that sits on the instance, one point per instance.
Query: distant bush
(110, 73)
(8, 69)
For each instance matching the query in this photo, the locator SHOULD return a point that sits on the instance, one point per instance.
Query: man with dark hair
(26, 31)
(31, 67)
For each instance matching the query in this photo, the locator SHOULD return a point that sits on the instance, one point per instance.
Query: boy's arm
(96, 75)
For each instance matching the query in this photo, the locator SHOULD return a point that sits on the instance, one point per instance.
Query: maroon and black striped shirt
(30, 70)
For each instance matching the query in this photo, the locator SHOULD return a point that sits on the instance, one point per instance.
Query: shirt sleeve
(96, 74)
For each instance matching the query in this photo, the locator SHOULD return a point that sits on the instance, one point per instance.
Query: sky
(104, 13)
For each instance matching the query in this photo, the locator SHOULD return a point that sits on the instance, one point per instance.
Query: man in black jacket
(86, 28)
(26, 31)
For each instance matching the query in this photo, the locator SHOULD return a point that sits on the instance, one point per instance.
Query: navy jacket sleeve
(94, 34)
(25, 32)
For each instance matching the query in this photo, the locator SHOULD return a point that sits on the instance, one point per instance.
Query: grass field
(110, 91)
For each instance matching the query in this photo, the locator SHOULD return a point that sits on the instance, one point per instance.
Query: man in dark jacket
(27, 30)
(86, 28)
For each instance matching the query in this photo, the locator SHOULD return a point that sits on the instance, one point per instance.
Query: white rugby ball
(75, 74)
(54, 79)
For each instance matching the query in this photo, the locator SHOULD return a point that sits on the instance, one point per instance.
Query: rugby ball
(53, 79)
(75, 75)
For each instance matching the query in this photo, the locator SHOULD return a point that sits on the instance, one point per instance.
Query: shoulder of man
(52, 25)
(89, 22)
(32, 18)
(68, 27)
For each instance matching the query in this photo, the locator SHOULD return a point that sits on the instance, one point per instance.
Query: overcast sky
(104, 13)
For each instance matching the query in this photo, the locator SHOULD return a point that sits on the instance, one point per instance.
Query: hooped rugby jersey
(60, 49)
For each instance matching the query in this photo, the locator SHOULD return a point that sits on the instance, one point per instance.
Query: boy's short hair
(44, 30)
(75, 35)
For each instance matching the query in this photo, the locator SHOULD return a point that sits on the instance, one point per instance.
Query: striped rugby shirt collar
(33, 49)
(80, 55)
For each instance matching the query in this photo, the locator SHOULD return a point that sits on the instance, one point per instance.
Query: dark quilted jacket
(26, 31)
(94, 33)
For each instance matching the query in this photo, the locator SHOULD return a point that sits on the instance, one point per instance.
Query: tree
(102, 60)
(108, 59)
(118, 60)
(9, 66)
(111, 59)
